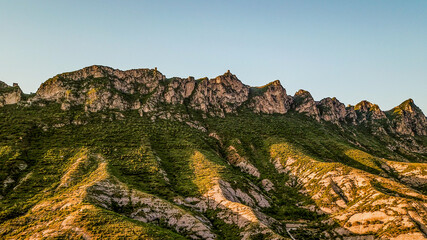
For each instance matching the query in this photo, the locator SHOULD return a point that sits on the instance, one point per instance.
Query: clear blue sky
(353, 50)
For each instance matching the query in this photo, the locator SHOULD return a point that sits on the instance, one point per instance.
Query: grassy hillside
(58, 166)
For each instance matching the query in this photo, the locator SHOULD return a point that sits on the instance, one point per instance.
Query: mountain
(101, 153)
(9, 94)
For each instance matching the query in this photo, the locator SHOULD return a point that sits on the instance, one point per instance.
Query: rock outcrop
(236, 207)
(148, 91)
(179, 89)
(350, 115)
(9, 94)
(235, 159)
(223, 94)
(408, 119)
(99, 87)
(271, 98)
(304, 103)
(148, 208)
(367, 111)
(361, 202)
(332, 110)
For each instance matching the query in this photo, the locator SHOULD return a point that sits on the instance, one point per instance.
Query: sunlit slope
(115, 174)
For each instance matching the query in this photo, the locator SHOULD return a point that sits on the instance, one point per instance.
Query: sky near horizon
(352, 50)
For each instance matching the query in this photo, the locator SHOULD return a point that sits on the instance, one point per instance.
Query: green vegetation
(169, 159)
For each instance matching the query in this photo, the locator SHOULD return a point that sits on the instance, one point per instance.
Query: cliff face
(368, 111)
(99, 87)
(304, 103)
(408, 119)
(9, 94)
(332, 110)
(223, 94)
(272, 100)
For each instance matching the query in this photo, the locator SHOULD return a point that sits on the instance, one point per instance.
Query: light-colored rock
(331, 110)
(408, 119)
(246, 218)
(148, 208)
(304, 103)
(368, 111)
(267, 185)
(235, 159)
(272, 100)
(221, 95)
(335, 190)
(9, 94)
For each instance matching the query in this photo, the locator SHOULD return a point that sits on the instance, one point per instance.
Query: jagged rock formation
(221, 95)
(332, 110)
(235, 159)
(367, 111)
(272, 99)
(9, 94)
(148, 208)
(134, 154)
(350, 116)
(304, 103)
(361, 202)
(99, 87)
(179, 89)
(408, 119)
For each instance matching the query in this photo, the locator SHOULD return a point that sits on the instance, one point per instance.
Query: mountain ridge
(105, 153)
(100, 87)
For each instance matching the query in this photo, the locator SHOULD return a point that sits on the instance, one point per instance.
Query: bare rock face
(236, 207)
(235, 159)
(9, 94)
(223, 94)
(350, 115)
(332, 110)
(148, 208)
(99, 87)
(179, 89)
(304, 103)
(353, 198)
(272, 100)
(368, 111)
(408, 119)
(146, 90)
(267, 185)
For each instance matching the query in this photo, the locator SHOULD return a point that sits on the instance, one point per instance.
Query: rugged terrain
(101, 153)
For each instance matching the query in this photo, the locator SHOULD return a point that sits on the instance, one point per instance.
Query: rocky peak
(271, 98)
(304, 103)
(95, 71)
(368, 111)
(332, 110)
(408, 119)
(228, 80)
(9, 94)
(276, 83)
(3, 85)
(303, 93)
(364, 106)
(147, 90)
(223, 94)
(406, 106)
(99, 87)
